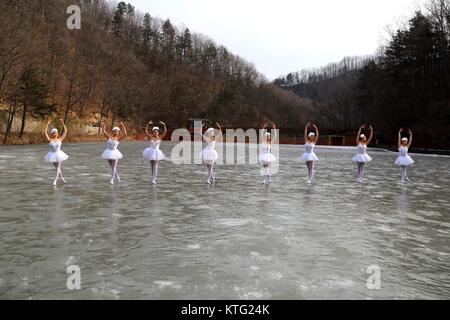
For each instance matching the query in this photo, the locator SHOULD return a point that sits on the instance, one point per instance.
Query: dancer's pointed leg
(57, 169)
(116, 163)
(209, 173)
(308, 165)
(151, 168)
(60, 173)
(406, 175)
(360, 171)
(269, 178)
(113, 172)
(213, 178)
(265, 174)
(154, 171)
(363, 165)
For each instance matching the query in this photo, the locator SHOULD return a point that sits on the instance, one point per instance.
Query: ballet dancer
(361, 157)
(404, 160)
(153, 154)
(55, 155)
(266, 157)
(209, 155)
(112, 154)
(309, 156)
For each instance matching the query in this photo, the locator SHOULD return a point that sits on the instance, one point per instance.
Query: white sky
(281, 36)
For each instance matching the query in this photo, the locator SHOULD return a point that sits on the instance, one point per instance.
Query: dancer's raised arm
(400, 137)
(358, 135)
(105, 133)
(205, 138)
(165, 130)
(306, 131)
(125, 133)
(219, 127)
(317, 134)
(274, 129)
(65, 130)
(46, 130)
(263, 131)
(410, 138)
(146, 129)
(371, 135)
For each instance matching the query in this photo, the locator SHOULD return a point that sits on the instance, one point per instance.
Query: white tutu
(109, 154)
(309, 157)
(265, 155)
(361, 158)
(208, 155)
(54, 157)
(361, 155)
(266, 158)
(309, 154)
(153, 154)
(404, 161)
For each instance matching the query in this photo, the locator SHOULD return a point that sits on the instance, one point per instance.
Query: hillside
(128, 66)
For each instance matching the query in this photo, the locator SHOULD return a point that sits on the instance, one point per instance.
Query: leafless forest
(406, 85)
(130, 66)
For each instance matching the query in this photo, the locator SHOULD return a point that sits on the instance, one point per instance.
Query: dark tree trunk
(11, 114)
(24, 115)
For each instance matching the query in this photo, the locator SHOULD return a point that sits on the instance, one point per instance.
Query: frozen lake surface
(235, 240)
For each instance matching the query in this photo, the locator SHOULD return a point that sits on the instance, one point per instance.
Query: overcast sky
(281, 36)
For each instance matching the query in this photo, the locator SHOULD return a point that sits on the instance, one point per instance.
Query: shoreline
(139, 138)
(413, 150)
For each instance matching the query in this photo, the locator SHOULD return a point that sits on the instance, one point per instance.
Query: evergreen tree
(147, 31)
(32, 93)
(118, 19)
(131, 10)
(168, 39)
(184, 46)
